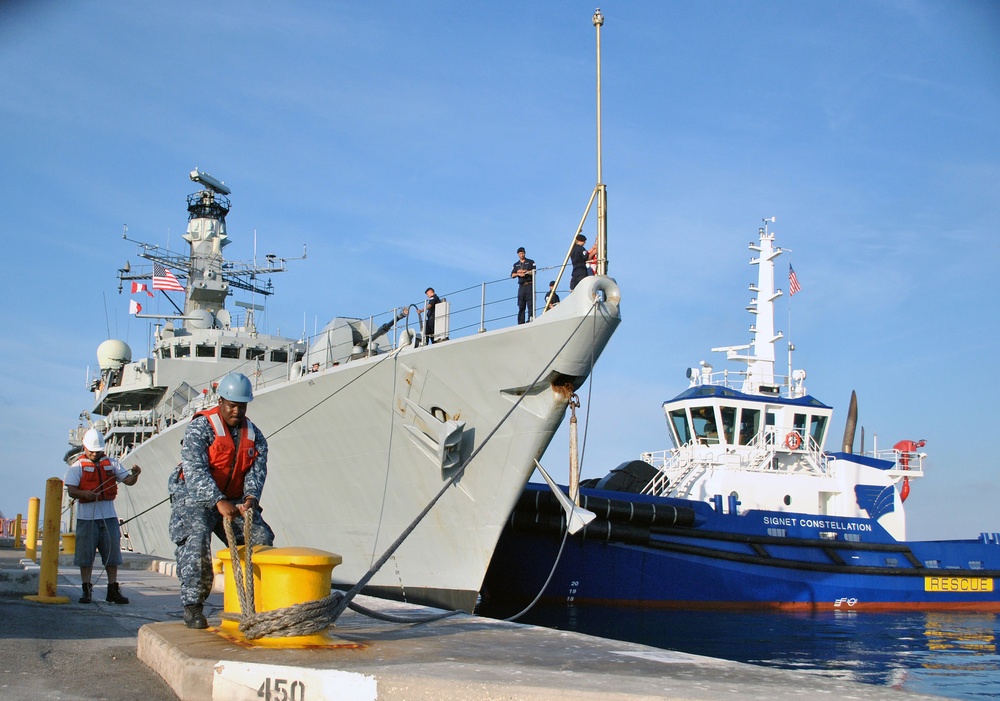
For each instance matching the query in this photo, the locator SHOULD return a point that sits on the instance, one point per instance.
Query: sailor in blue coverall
(221, 474)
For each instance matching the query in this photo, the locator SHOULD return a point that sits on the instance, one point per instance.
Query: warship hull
(357, 450)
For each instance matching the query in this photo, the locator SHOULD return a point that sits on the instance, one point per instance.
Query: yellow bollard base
(294, 642)
(48, 599)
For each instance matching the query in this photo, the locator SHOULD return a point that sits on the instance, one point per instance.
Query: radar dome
(200, 319)
(112, 354)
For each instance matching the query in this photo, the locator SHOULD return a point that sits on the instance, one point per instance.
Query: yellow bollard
(17, 532)
(68, 543)
(50, 545)
(31, 544)
(288, 576)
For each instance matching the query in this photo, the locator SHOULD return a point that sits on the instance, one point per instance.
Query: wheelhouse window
(279, 356)
(255, 353)
(204, 351)
(703, 419)
(230, 352)
(165, 352)
(182, 351)
(817, 428)
(799, 424)
(728, 422)
(749, 425)
(681, 429)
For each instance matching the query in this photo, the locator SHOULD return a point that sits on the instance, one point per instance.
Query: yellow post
(68, 543)
(17, 532)
(50, 545)
(31, 545)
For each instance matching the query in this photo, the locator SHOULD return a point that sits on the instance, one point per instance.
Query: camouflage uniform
(194, 517)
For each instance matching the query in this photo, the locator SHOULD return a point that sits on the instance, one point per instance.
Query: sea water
(948, 654)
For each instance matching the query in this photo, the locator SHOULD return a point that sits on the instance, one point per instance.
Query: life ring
(793, 441)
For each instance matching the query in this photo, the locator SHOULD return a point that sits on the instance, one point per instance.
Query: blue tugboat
(747, 511)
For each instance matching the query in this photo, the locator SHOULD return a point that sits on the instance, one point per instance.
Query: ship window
(852, 537)
(182, 351)
(817, 427)
(975, 564)
(749, 425)
(788, 500)
(932, 564)
(705, 427)
(165, 352)
(204, 351)
(892, 562)
(728, 422)
(255, 353)
(229, 352)
(777, 532)
(799, 424)
(279, 356)
(681, 428)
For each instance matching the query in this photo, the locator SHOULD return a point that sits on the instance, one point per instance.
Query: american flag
(163, 279)
(793, 280)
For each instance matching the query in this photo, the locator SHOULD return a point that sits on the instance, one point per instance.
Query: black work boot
(88, 589)
(193, 617)
(115, 594)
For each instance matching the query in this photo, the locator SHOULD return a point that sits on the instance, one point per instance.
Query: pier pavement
(102, 651)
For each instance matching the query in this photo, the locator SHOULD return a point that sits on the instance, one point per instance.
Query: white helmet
(93, 440)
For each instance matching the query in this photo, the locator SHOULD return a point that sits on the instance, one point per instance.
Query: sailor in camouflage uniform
(221, 475)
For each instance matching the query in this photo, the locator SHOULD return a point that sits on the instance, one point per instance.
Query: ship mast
(760, 377)
(602, 191)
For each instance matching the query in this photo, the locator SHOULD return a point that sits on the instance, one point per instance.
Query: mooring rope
(314, 616)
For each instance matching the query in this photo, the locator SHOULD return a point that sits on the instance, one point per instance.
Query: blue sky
(415, 144)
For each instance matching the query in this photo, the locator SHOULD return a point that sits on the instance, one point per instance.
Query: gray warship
(360, 445)
(403, 454)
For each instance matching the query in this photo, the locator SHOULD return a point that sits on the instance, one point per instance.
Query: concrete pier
(142, 650)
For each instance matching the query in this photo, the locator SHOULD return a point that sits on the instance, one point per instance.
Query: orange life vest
(229, 465)
(99, 478)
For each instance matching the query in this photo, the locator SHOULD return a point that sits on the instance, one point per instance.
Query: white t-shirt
(94, 510)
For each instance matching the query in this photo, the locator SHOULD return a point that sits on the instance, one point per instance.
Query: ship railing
(765, 446)
(679, 468)
(906, 464)
(736, 379)
(469, 310)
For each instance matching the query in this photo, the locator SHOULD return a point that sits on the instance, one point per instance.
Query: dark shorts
(102, 535)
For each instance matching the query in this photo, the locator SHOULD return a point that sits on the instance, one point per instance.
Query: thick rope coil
(299, 619)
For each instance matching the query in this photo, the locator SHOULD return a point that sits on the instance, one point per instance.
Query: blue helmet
(236, 387)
